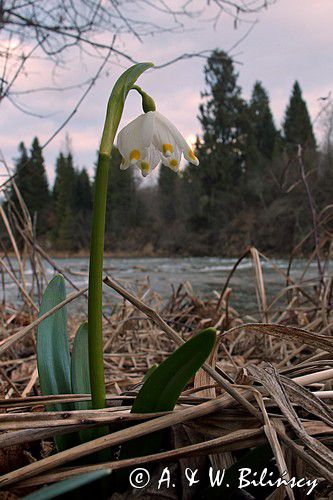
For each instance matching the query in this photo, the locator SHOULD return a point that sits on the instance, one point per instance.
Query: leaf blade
(164, 386)
(67, 485)
(80, 378)
(53, 357)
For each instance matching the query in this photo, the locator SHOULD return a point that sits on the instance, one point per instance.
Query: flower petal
(150, 161)
(190, 156)
(166, 129)
(173, 161)
(134, 139)
(124, 164)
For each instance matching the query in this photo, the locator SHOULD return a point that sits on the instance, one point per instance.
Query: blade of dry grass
(259, 284)
(18, 284)
(33, 420)
(273, 440)
(307, 400)
(14, 245)
(312, 378)
(270, 379)
(237, 440)
(291, 333)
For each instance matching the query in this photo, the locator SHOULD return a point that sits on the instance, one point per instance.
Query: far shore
(149, 253)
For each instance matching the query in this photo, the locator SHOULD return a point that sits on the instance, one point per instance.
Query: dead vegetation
(268, 382)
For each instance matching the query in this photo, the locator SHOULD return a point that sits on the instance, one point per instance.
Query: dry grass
(269, 380)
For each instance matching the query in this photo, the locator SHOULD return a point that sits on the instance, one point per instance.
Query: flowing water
(206, 275)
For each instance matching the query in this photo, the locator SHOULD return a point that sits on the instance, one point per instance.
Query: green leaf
(80, 366)
(53, 358)
(81, 385)
(63, 487)
(149, 372)
(164, 386)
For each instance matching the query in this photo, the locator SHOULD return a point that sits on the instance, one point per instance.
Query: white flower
(150, 139)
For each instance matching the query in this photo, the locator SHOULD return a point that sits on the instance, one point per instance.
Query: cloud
(292, 40)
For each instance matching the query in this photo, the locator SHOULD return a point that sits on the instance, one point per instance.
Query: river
(206, 275)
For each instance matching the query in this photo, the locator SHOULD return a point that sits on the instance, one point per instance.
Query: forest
(251, 187)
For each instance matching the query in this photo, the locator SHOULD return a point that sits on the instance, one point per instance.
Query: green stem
(95, 335)
(95, 284)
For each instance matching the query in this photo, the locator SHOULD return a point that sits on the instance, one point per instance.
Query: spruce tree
(32, 182)
(83, 208)
(297, 124)
(21, 171)
(64, 189)
(167, 195)
(227, 151)
(64, 197)
(123, 211)
(83, 201)
(262, 120)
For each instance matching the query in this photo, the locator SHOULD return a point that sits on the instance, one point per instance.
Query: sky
(290, 40)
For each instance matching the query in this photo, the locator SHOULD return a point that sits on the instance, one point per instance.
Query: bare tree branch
(33, 29)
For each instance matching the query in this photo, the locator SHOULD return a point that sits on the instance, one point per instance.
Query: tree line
(247, 190)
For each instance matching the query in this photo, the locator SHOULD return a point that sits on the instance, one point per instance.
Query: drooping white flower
(150, 139)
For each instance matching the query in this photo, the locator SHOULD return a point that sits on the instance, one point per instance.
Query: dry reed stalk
(286, 333)
(237, 440)
(14, 244)
(114, 439)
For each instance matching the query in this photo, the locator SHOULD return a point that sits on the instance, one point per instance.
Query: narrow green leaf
(164, 386)
(80, 366)
(53, 358)
(149, 372)
(80, 379)
(63, 487)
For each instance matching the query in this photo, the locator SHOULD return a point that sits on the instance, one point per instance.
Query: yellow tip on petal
(191, 157)
(167, 149)
(174, 164)
(135, 155)
(145, 168)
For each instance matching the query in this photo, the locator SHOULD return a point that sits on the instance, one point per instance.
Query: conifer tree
(64, 196)
(297, 124)
(32, 182)
(83, 201)
(262, 120)
(64, 189)
(168, 195)
(21, 171)
(227, 150)
(83, 208)
(123, 211)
